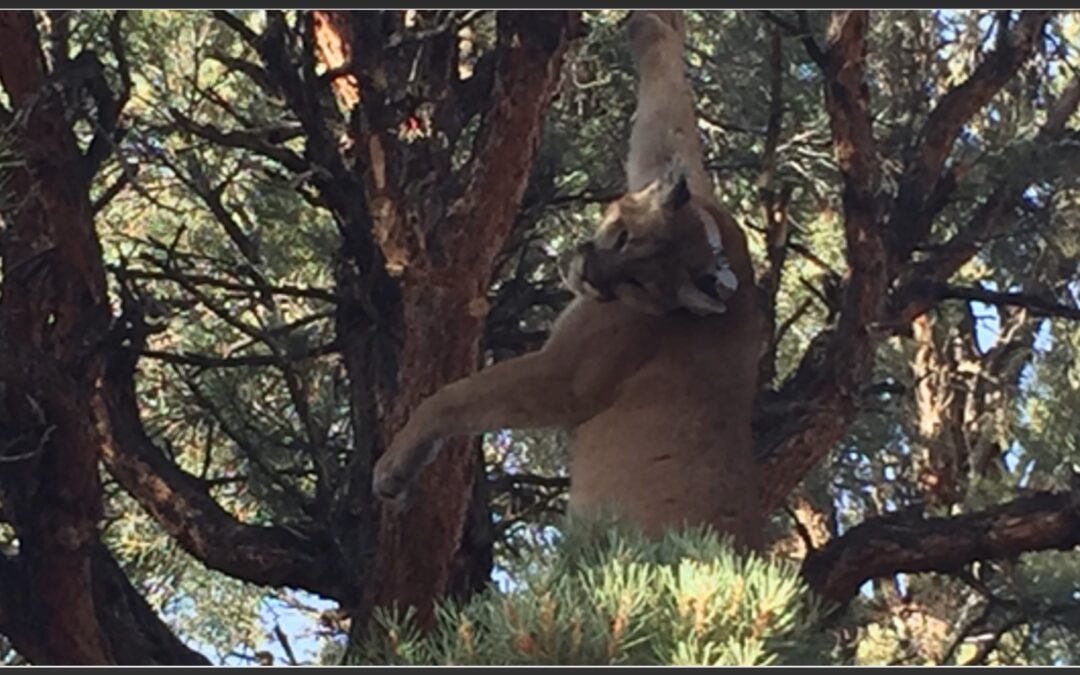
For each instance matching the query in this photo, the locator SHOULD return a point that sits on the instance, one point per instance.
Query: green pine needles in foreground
(609, 595)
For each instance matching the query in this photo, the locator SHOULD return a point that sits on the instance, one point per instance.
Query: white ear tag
(712, 232)
(723, 276)
(726, 278)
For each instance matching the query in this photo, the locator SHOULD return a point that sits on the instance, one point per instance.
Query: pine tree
(608, 595)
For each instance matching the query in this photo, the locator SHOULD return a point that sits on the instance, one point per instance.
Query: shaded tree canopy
(239, 247)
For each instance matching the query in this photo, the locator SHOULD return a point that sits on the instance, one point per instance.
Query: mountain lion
(657, 402)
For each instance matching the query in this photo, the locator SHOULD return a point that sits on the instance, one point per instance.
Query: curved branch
(1037, 304)
(942, 128)
(180, 503)
(136, 635)
(911, 543)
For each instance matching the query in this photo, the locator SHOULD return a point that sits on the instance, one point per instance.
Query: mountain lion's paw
(397, 469)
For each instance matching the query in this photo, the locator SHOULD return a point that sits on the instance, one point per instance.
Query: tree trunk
(52, 313)
(439, 244)
(64, 599)
(443, 298)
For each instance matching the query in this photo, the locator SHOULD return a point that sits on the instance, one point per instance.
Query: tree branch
(252, 361)
(237, 24)
(801, 31)
(912, 543)
(135, 633)
(774, 206)
(113, 190)
(272, 556)
(987, 221)
(45, 327)
(921, 177)
(464, 248)
(827, 383)
(263, 143)
(224, 284)
(1038, 305)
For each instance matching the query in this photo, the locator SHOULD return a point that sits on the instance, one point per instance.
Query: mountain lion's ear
(670, 191)
(676, 190)
(680, 192)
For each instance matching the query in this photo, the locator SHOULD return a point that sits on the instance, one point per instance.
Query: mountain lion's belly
(666, 454)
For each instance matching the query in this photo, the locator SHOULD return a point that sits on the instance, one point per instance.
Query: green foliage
(255, 440)
(609, 595)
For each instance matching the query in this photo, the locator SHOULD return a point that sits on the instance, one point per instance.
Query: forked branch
(891, 544)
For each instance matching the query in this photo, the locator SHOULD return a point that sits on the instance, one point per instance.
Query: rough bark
(133, 631)
(443, 297)
(938, 455)
(825, 389)
(64, 599)
(333, 45)
(912, 543)
(53, 303)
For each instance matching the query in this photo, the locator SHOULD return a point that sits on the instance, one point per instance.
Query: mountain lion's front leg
(514, 393)
(563, 384)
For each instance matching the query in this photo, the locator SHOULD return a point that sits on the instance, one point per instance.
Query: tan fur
(652, 250)
(665, 263)
(658, 404)
(665, 125)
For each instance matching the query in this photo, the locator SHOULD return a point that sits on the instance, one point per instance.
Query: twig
(254, 360)
(1036, 304)
(284, 640)
(207, 280)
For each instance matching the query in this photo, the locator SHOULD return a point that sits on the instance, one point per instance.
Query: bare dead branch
(251, 361)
